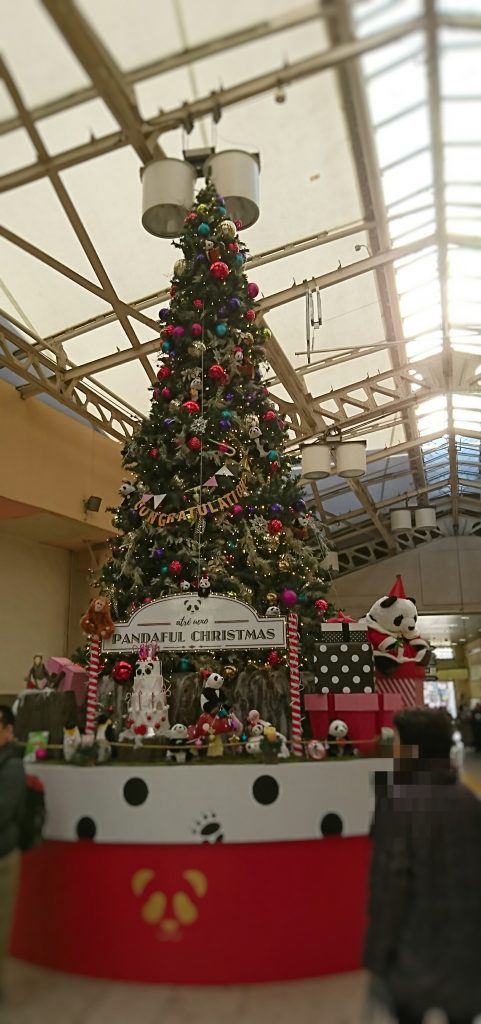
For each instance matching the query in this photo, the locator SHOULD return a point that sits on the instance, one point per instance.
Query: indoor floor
(38, 996)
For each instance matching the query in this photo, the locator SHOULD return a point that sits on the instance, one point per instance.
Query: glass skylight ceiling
(398, 90)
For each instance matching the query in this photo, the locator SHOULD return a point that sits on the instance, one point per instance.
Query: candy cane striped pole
(295, 679)
(94, 666)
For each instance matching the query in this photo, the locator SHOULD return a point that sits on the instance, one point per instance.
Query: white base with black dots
(238, 804)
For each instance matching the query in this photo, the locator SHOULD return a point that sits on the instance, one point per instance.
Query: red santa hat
(398, 589)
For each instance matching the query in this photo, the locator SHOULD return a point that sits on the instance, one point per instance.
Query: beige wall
(53, 462)
(443, 576)
(35, 595)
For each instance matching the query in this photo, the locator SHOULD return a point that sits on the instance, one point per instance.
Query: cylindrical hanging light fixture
(351, 459)
(236, 177)
(316, 461)
(331, 562)
(167, 196)
(425, 518)
(401, 520)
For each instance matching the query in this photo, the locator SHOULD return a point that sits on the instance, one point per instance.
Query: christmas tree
(214, 501)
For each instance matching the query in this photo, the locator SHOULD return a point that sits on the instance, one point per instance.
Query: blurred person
(12, 801)
(423, 944)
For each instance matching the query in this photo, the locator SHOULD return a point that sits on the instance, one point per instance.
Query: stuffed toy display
(393, 633)
(97, 620)
(178, 738)
(338, 739)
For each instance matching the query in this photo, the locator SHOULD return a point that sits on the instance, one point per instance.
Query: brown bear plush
(97, 620)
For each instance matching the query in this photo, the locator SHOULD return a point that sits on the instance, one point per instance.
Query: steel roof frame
(389, 397)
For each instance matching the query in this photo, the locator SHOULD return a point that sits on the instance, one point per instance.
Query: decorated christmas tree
(213, 503)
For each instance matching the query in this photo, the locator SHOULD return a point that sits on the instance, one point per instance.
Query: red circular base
(209, 914)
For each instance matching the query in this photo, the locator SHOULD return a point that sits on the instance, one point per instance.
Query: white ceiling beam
(185, 115)
(182, 58)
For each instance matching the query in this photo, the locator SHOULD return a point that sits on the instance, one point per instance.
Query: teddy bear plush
(97, 620)
(392, 630)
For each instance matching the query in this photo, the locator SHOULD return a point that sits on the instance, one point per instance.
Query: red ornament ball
(147, 600)
(274, 659)
(196, 330)
(216, 372)
(156, 392)
(269, 415)
(122, 672)
(168, 330)
(252, 289)
(166, 393)
(198, 304)
(164, 372)
(154, 453)
(195, 444)
(250, 314)
(175, 568)
(274, 467)
(321, 606)
(275, 526)
(223, 448)
(238, 224)
(191, 407)
(219, 270)
(233, 247)
(190, 216)
(173, 290)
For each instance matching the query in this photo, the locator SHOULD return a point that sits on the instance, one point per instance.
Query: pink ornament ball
(41, 754)
(178, 332)
(250, 315)
(223, 448)
(321, 606)
(166, 392)
(195, 444)
(252, 289)
(219, 270)
(154, 453)
(237, 510)
(196, 330)
(269, 415)
(198, 304)
(289, 598)
(233, 247)
(169, 330)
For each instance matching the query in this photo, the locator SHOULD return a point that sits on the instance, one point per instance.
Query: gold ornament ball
(227, 229)
(174, 404)
(202, 208)
(229, 671)
(283, 564)
(180, 267)
(196, 348)
(266, 332)
(272, 598)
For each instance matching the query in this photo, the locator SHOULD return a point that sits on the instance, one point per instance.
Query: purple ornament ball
(164, 314)
(133, 513)
(289, 598)
(200, 258)
(234, 302)
(159, 552)
(229, 396)
(299, 505)
(275, 507)
(224, 424)
(251, 509)
(168, 422)
(221, 311)
(178, 332)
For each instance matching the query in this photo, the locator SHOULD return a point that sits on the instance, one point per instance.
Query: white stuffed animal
(393, 632)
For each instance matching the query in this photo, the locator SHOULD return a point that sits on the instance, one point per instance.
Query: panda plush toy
(392, 630)
(179, 744)
(337, 739)
(213, 695)
(203, 586)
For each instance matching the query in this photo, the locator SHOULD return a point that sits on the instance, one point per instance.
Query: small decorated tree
(213, 501)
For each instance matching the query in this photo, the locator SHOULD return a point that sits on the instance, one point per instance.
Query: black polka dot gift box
(343, 629)
(344, 668)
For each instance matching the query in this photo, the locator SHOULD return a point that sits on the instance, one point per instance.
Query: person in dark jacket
(12, 796)
(423, 944)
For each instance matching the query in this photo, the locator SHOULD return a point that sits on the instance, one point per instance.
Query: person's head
(37, 659)
(7, 722)
(425, 734)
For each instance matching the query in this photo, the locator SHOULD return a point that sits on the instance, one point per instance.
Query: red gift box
(389, 705)
(406, 680)
(360, 712)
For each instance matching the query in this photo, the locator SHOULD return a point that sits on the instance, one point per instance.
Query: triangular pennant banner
(158, 499)
(224, 472)
(145, 498)
(212, 482)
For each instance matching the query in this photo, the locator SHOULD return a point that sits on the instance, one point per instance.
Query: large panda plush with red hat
(392, 630)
